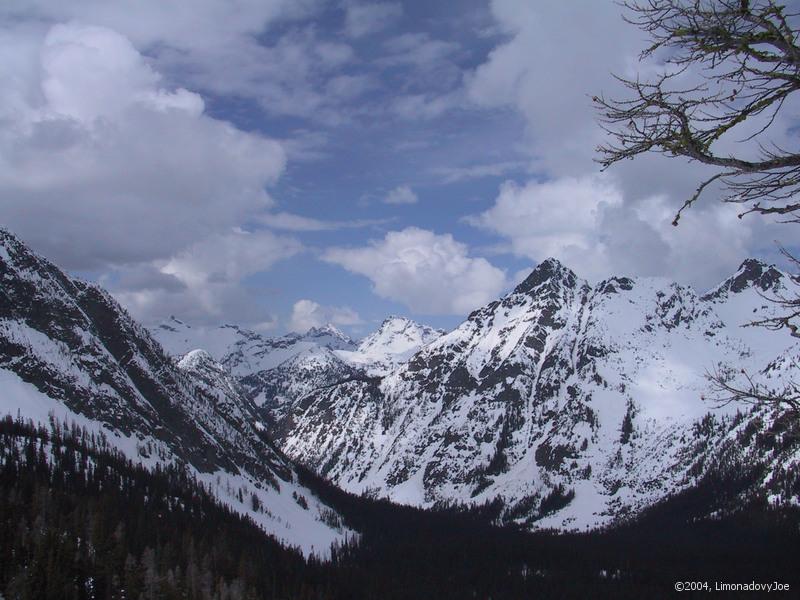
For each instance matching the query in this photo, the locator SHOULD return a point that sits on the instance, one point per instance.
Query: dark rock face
(549, 271)
(752, 274)
(75, 343)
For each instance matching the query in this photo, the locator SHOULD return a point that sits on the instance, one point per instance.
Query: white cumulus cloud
(259, 49)
(585, 223)
(556, 218)
(429, 273)
(104, 166)
(230, 257)
(596, 225)
(551, 85)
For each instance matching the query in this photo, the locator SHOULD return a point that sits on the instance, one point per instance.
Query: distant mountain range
(569, 405)
(242, 351)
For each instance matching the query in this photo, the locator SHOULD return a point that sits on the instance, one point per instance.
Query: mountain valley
(560, 407)
(574, 405)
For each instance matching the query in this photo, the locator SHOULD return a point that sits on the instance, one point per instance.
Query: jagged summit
(20, 264)
(390, 318)
(397, 323)
(755, 273)
(394, 327)
(752, 273)
(327, 329)
(394, 321)
(320, 361)
(329, 335)
(6, 236)
(613, 285)
(550, 270)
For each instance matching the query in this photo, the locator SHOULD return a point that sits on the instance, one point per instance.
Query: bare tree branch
(748, 57)
(749, 391)
(744, 58)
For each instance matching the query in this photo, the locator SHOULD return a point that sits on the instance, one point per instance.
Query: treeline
(79, 520)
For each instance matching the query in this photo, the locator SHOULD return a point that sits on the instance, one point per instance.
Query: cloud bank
(122, 169)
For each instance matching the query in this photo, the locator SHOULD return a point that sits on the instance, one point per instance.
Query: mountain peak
(195, 359)
(550, 269)
(5, 234)
(10, 242)
(752, 273)
(395, 319)
(330, 336)
(395, 340)
(396, 323)
(327, 329)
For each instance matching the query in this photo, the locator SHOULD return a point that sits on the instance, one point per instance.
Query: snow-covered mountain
(575, 405)
(395, 341)
(242, 351)
(68, 351)
(275, 372)
(277, 390)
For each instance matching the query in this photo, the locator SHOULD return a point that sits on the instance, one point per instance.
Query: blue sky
(282, 163)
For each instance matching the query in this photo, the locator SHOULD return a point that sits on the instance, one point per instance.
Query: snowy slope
(588, 394)
(68, 348)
